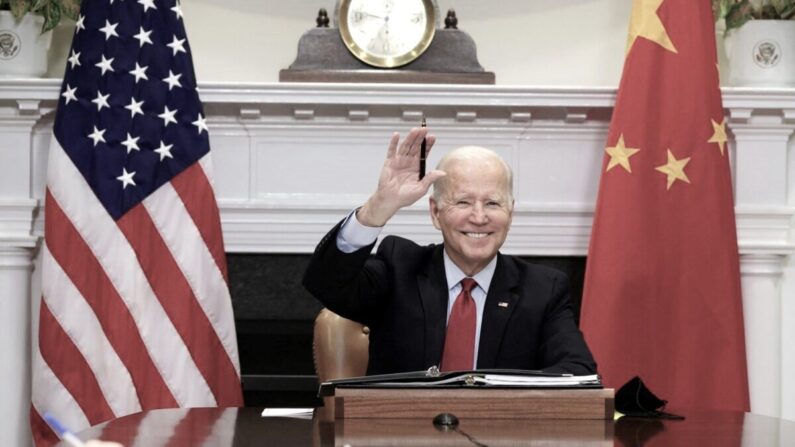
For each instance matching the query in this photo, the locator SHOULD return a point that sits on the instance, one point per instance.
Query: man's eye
(462, 203)
(493, 204)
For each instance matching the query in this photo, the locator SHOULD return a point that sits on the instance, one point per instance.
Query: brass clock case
(391, 61)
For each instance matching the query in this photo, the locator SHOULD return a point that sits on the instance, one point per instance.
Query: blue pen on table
(69, 437)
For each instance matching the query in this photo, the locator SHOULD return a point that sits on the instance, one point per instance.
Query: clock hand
(381, 36)
(370, 14)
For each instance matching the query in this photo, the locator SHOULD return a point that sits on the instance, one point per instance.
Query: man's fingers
(406, 143)
(431, 177)
(411, 145)
(393, 144)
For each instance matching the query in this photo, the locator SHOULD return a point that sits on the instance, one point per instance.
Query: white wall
(538, 42)
(525, 42)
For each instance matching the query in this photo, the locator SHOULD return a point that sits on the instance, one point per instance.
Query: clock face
(387, 33)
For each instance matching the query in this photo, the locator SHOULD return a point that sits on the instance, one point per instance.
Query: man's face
(474, 213)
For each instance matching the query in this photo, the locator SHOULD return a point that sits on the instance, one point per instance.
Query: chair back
(340, 347)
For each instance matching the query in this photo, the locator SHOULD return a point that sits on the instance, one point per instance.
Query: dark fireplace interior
(274, 317)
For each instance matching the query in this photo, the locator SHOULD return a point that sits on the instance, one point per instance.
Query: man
(461, 305)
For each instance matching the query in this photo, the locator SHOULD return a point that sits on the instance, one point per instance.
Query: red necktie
(459, 344)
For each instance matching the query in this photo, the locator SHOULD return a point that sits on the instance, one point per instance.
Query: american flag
(135, 311)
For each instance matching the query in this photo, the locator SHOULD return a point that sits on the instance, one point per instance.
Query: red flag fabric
(135, 312)
(662, 286)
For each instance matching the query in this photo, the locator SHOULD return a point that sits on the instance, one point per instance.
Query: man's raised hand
(399, 184)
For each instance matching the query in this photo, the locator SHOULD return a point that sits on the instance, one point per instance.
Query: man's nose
(479, 215)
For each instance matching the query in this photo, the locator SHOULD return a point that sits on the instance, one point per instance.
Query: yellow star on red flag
(619, 155)
(647, 24)
(720, 135)
(674, 169)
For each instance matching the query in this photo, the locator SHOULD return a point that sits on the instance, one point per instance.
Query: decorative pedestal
(23, 49)
(762, 54)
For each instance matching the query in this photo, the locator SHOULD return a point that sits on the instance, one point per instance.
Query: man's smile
(476, 235)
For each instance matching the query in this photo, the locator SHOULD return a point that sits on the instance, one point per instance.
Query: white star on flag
(201, 124)
(135, 107)
(105, 64)
(178, 11)
(126, 178)
(131, 143)
(69, 93)
(143, 36)
(97, 135)
(164, 150)
(139, 72)
(101, 101)
(109, 30)
(177, 45)
(147, 4)
(172, 80)
(168, 116)
(74, 59)
(80, 24)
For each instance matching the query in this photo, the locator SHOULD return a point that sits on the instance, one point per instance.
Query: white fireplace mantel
(291, 159)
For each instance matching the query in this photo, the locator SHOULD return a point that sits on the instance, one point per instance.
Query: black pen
(422, 153)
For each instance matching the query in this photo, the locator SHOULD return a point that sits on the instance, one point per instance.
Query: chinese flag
(662, 286)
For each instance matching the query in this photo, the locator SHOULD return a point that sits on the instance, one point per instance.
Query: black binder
(482, 378)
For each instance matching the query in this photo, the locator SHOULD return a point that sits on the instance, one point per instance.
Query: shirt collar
(455, 275)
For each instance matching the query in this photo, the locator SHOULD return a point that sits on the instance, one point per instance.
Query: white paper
(301, 413)
(564, 380)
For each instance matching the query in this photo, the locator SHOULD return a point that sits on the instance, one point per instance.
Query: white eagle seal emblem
(767, 53)
(9, 45)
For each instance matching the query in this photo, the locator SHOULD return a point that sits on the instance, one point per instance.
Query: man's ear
(434, 208)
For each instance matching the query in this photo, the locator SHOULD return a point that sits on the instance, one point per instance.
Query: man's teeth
(477, 235)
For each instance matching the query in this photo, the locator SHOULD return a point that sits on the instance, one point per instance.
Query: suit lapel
(500, 304)
(432, 284)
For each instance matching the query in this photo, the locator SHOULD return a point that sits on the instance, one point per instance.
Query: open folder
(492, 378)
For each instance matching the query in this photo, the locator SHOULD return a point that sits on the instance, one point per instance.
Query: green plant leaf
(19, 7)
(52, 15)
(717, 9)
(39, 5)
(71, 8)
(788, 13)
(768, 12)
(721, 7)
(738, 14)
(781, 7)
(51, 10)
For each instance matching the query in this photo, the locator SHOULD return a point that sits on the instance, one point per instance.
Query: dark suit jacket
(402, 295)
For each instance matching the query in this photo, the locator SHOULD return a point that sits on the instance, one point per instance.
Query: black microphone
(445, 422)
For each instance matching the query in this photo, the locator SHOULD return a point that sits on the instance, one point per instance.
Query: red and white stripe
(135, 314)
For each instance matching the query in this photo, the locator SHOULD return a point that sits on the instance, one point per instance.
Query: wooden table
(244, 427)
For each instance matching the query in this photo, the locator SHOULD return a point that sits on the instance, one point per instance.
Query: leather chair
(339, 347)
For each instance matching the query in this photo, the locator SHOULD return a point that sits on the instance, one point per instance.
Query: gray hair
(475, 154)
